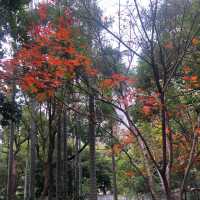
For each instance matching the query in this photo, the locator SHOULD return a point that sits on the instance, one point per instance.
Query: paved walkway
(110, 197)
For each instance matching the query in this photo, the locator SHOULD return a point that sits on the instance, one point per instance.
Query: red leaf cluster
(127, 139)
(149, 103)
(50, 57)
(114, 81)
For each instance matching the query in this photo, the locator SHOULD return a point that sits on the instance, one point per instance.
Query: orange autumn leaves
(191, 79)
(187, 76)
(149, 103)
(117, 148)
(114, 80)
(197, 130)
(195, 41)
(129, 173)
(126, 139)
(51, 57)
(169, 44)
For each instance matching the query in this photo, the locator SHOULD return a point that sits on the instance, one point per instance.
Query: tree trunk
(190, 161)
(14, 179)
(33, 139)
(76, 195)
(148, 166)
(46, 178)
(114, 182)
(65, 155)
(58, 163)
(80, 173)
(92, 152)
(11, 153)
(50, 168)
(150, 179)
(50, 155)
(114, 176)
(27, 180)
(1, 142)
(166, 188)
(10, 162)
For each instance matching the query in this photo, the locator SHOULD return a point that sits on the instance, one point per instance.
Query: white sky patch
(7, 47)
(111, 9)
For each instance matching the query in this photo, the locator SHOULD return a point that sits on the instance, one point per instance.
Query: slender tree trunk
(80, 172)
(46, 179)
(1, 139)
(65, 155)
(73, 168)
(170, 158)
(11, 153)
(50, 168)
(166, 188)
(114, 176)
(79, 161)
(14, 179)
(10, 162)
(148, 157)
(148, 166)
(150, 178)
(76, 164)
(33, 139)
(50, 155)
(27, 174)
(92, 151)
(190, 161)
(27, 180)
(58, 163)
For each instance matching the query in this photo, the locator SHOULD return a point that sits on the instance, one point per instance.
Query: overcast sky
(110, 7)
